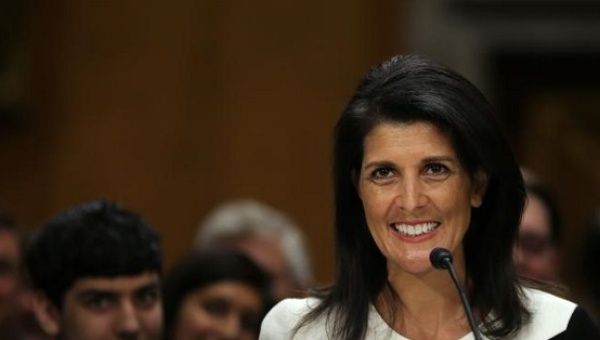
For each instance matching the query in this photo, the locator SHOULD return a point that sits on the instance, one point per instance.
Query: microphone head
(440, 258)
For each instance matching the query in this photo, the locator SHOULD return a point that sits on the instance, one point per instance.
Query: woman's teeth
(415, 229)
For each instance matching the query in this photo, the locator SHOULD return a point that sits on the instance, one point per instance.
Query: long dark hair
(407, 89)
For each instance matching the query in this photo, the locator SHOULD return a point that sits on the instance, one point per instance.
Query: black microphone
(442, 259)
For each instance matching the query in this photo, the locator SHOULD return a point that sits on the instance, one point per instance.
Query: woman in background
(536, 251)
(215, 295)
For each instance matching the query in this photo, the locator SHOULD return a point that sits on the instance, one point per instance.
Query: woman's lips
(415, 231)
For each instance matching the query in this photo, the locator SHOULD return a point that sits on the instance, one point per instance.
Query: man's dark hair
(409, 89)
(95, 239)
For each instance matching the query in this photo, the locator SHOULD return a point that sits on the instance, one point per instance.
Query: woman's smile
(415, 231)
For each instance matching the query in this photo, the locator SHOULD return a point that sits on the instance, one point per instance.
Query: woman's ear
(480, 182)
(47, 314)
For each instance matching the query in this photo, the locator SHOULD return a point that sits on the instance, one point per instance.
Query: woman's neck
(423, 306)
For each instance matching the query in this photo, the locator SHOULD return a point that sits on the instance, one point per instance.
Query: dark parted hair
(207, 267)
(94, 239)
(409, 89)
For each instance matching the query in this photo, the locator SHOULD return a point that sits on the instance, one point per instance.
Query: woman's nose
(410, 194)
(230, 327)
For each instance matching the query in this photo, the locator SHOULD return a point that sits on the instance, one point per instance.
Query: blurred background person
(590, 258)
(16, 316)
(267, 236)
(97, 269)
(536, 251)
(215, 294)
(10, 265)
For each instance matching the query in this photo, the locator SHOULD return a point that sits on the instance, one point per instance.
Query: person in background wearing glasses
(536, 250)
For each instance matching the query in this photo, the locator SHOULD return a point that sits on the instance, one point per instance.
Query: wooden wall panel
(173, 107)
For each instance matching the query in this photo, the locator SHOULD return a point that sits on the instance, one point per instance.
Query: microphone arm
(442, 259)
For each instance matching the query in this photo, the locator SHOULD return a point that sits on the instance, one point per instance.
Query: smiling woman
(419, 164)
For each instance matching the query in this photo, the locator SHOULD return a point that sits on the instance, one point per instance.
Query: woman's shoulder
(282, 319)
(553, 317)
(539, 301)
(291, 309)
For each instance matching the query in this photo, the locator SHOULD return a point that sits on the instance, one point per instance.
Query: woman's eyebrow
(429, 159)
(439, 159)
(383, 163)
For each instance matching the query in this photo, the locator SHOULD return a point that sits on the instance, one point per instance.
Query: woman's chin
(415, 266)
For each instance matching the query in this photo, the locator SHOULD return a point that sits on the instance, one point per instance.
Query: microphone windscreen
(440, 257)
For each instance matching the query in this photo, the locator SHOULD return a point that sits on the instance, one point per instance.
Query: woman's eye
(436, 169)
(216, 307)
(382, 173)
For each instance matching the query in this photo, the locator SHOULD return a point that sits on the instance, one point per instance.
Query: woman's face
(223, 310)
(535, 255)
(416, 194)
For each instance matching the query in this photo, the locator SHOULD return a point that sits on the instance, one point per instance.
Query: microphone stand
(442, 259)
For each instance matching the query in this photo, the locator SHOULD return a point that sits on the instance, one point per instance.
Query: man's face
(9, 271)
(124, 307)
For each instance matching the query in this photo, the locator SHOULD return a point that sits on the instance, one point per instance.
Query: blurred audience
(590, 258)
(267, 236)
(16, 316)
(536, 250)
(97, 268)
(10, 266)
(215, 294)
